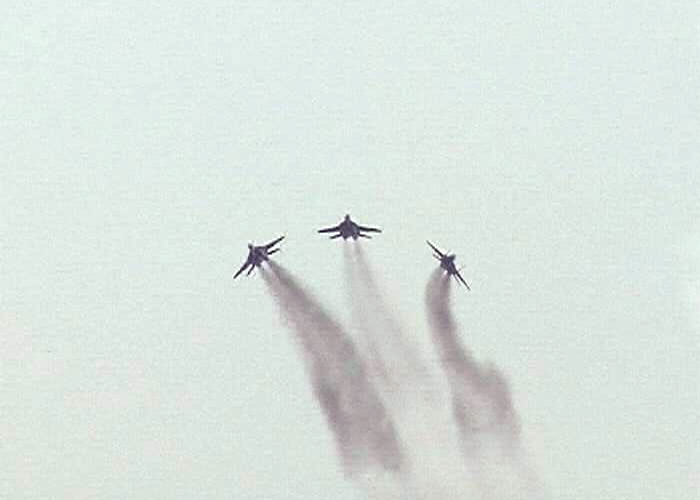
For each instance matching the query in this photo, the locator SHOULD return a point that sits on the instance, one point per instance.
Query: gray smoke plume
(481, 400)
(364, 431)
(482, 407)
(393, 357)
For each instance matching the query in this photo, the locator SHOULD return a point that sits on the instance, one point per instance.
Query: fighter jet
(256, 256)
(447, 262)
(349, 229)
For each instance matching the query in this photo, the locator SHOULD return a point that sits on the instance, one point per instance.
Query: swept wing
(273, 243)
(440, 254)
(330, 229)
(245, 264)
(460, 278)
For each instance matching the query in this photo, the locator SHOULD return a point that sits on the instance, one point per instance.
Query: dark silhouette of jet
(256, 256)
(349, 229)
(447, 262)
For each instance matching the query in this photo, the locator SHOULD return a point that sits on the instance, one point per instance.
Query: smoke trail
(482, 407)
(367, 343)
(481, 401)
(364, 432)
(411, 393)
(394, 359)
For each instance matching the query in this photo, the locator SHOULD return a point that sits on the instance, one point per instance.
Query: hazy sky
(553, 146)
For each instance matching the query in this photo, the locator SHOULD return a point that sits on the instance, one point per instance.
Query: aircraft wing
(460, 278)
(369, 229)
(434, 248)
(273, 243)
(330, 229)
(245, 264)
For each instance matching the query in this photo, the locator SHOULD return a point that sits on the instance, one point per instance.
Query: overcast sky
(553, 147)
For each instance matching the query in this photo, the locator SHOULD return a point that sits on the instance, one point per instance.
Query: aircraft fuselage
(448, 264)
(257, 255)
(348, 228)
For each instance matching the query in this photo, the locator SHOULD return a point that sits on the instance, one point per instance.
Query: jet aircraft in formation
(447, 262)
(347, 229)
(256, 256)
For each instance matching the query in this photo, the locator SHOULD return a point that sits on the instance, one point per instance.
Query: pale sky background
(552, 145)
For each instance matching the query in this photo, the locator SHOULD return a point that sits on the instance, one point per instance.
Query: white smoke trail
(394, 357)
(411, 392)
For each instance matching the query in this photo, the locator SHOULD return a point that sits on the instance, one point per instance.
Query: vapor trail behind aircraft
(409, 390)
(481, 398)
(364, 431)
(482, 407)
(393, 356)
